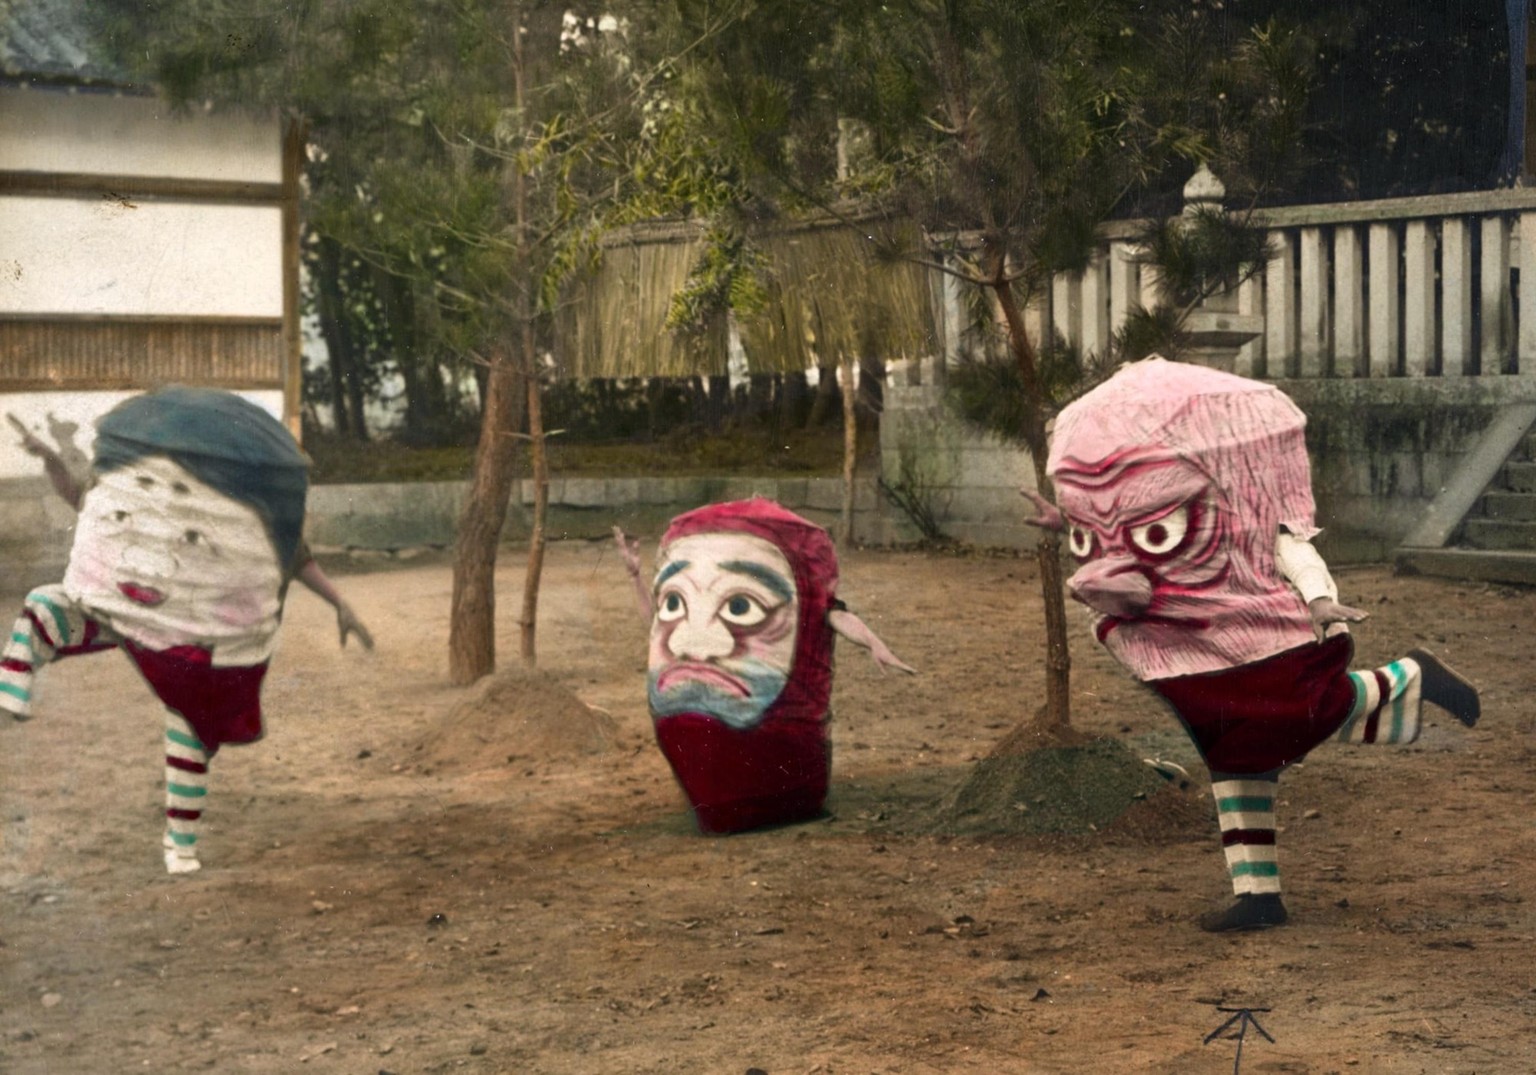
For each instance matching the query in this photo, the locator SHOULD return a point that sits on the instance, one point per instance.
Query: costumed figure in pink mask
(742, 610)
(188, 535)
(1186, 498)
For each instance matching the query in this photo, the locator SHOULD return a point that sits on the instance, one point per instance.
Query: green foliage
(728, 275)
(988, 391)
(470, 149)
(1201, 254)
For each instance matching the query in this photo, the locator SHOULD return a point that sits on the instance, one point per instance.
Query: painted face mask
(1175, 480)
(723, 641)
(184, 545)
(741, 662)
(171, 561)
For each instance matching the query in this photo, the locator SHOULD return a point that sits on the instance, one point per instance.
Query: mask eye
(1161, 536)
(743, 611)
(672, 607)
(1080, 541)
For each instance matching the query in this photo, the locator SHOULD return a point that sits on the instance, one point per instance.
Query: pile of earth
(1059, 782)
(515, 715)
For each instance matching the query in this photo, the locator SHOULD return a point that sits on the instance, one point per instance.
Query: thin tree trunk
(529, 365)
(340, 344)
(472, 620)
(1058, 658)
(850, 451)
(540, 461)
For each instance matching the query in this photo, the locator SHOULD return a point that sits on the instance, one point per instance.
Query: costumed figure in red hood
(1186, 497)
(743, 610)
(188, 535)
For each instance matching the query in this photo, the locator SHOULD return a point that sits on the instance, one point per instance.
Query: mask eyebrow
(671, 569)
(766, 575)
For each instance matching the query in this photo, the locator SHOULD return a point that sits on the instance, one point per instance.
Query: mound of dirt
(1070, 784)
(517, 715)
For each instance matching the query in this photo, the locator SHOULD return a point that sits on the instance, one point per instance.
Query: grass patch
(813, 453)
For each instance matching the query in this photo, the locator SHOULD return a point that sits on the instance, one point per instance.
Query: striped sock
(50, 626)
(186, 786)
(1386, 709)
(42, 628)
(1245, 808)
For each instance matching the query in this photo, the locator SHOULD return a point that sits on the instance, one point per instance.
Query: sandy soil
(398, 881)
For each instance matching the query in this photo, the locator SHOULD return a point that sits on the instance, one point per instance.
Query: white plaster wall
(97, 134)
(79, 408)
(77, 256)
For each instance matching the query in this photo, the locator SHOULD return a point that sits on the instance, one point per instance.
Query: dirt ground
(398, 881)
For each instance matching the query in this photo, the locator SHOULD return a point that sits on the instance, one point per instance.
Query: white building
(139, 246)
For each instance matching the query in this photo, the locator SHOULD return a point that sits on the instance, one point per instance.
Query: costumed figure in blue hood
(190, 530)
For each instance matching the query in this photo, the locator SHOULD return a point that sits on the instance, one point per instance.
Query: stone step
(1499, 534)
(1502, 504)
(1481, 565)
(1519, 477)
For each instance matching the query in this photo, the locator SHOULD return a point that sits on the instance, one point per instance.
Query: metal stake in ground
(1237, 1027)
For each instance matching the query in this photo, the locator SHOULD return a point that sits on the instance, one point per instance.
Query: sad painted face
(168, 560)
(723, 639)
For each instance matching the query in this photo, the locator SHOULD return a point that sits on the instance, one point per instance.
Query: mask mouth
(141, 595)
(695, 672)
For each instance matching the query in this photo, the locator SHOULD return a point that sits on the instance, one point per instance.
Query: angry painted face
(1175, 482)
(1151, 536)
(167, 560)
(723, 638)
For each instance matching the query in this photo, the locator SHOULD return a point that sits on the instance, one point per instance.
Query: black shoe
(1251, 911)
(1446, 688)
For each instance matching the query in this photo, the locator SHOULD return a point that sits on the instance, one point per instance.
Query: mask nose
(1113, 586)
(147, 562)
(701, 641)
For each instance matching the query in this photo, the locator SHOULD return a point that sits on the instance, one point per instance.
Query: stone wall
(36, 527)
(1381, 450)
(425, 513)
(970, 481)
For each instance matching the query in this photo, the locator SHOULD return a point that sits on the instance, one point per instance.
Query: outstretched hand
(629, 550)
(31, 443)
(347, 623)
(1047, 515)
(64, 483)
(885, 659)
(857, 631)
(1329, 617)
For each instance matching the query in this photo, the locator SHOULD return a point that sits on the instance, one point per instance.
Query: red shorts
(1263, 716)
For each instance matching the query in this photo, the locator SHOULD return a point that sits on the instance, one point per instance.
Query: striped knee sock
(1386, 708)
(186, 786)
(43, 626)
(19, 660)
(1245, 808)
(50, 625)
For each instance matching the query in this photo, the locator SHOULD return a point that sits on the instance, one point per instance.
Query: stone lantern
(1215, 329)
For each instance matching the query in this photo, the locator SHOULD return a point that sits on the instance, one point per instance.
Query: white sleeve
(1304, 568)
